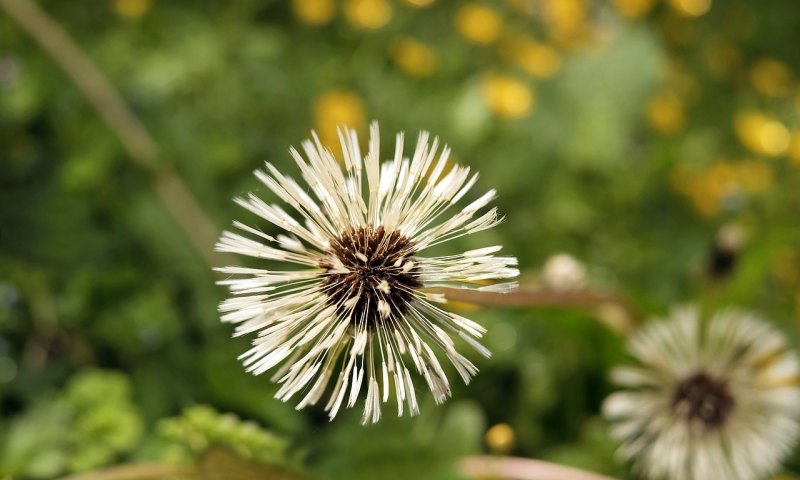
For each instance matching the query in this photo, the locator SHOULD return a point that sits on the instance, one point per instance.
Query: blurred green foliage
(630, 133)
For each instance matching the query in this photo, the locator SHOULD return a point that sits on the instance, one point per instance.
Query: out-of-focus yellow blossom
(314, 12)
(479, 23)
(634, 9)
(538, 59)
(722, 58)
(677, 29)
(666, 113)
(785, 265)
(762, 134)
(691, 8)
(797, 319)
(771, 77)
(132, 8)
(567, 18)
(368, 14)
(506, 96)
(755, 177)
(336, 108)
(794, 149)
(525, 7)
(420, 3)
(681, 80)
(709, 188)
(500, 439)
(414, 57)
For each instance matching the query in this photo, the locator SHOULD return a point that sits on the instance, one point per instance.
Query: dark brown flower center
(702, 398)
(370, 275)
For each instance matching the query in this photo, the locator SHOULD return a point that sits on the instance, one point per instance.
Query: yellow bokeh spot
(538, 59)
(314, 12)
(368, 14)
(420, 3)
(691, 8)
(722, 58)
(414, 57)
(500, 438)
(794, 149)
(634, 9)
(132, 8)
(665, 113)
(337, 108)
(771, 77)
(709, 188)
(566, 17)
(762, 134)
(755, 177)
(479, 24)
(507, 97)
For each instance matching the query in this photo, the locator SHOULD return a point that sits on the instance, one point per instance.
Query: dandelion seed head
(706, 398)
(370, 257)
(339, 307)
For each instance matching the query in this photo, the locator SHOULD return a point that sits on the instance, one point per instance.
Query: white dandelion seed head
(707, 399)
(563, 272)
(346, 311)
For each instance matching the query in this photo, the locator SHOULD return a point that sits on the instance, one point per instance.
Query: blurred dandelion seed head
(714, 398)
(355, 312)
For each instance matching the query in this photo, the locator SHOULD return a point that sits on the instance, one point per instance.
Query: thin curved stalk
(172, 191)
(515, 468)
(613, 309)
(153, 471)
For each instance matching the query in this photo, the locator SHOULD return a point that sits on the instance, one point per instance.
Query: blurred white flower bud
(563, 272)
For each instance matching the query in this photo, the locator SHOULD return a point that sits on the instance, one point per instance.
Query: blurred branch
(613, 309)
(514, 468)
(153, 471)
(112, 108)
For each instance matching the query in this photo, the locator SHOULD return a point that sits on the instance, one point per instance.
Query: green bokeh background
(108, 323)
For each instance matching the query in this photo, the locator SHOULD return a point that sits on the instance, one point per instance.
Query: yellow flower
(420, 3)
(634, 9)
(709, 189)
(762, 134)
(538, 59)
(665, 113)
(771, 77)
(500, 438)
(722, 58)
(478, 23)
(566, 18)
(132, 8)
(314, 12)
(691, 8)
(368, 14)
(414, 57)
(794, 149)
(336, 108)
(755, 177)
(507, 97)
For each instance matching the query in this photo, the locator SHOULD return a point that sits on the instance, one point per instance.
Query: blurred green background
(656, 141)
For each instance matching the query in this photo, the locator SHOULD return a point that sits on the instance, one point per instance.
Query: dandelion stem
(615, 310)
(153, 471)
(515, 468)
(112, 108)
